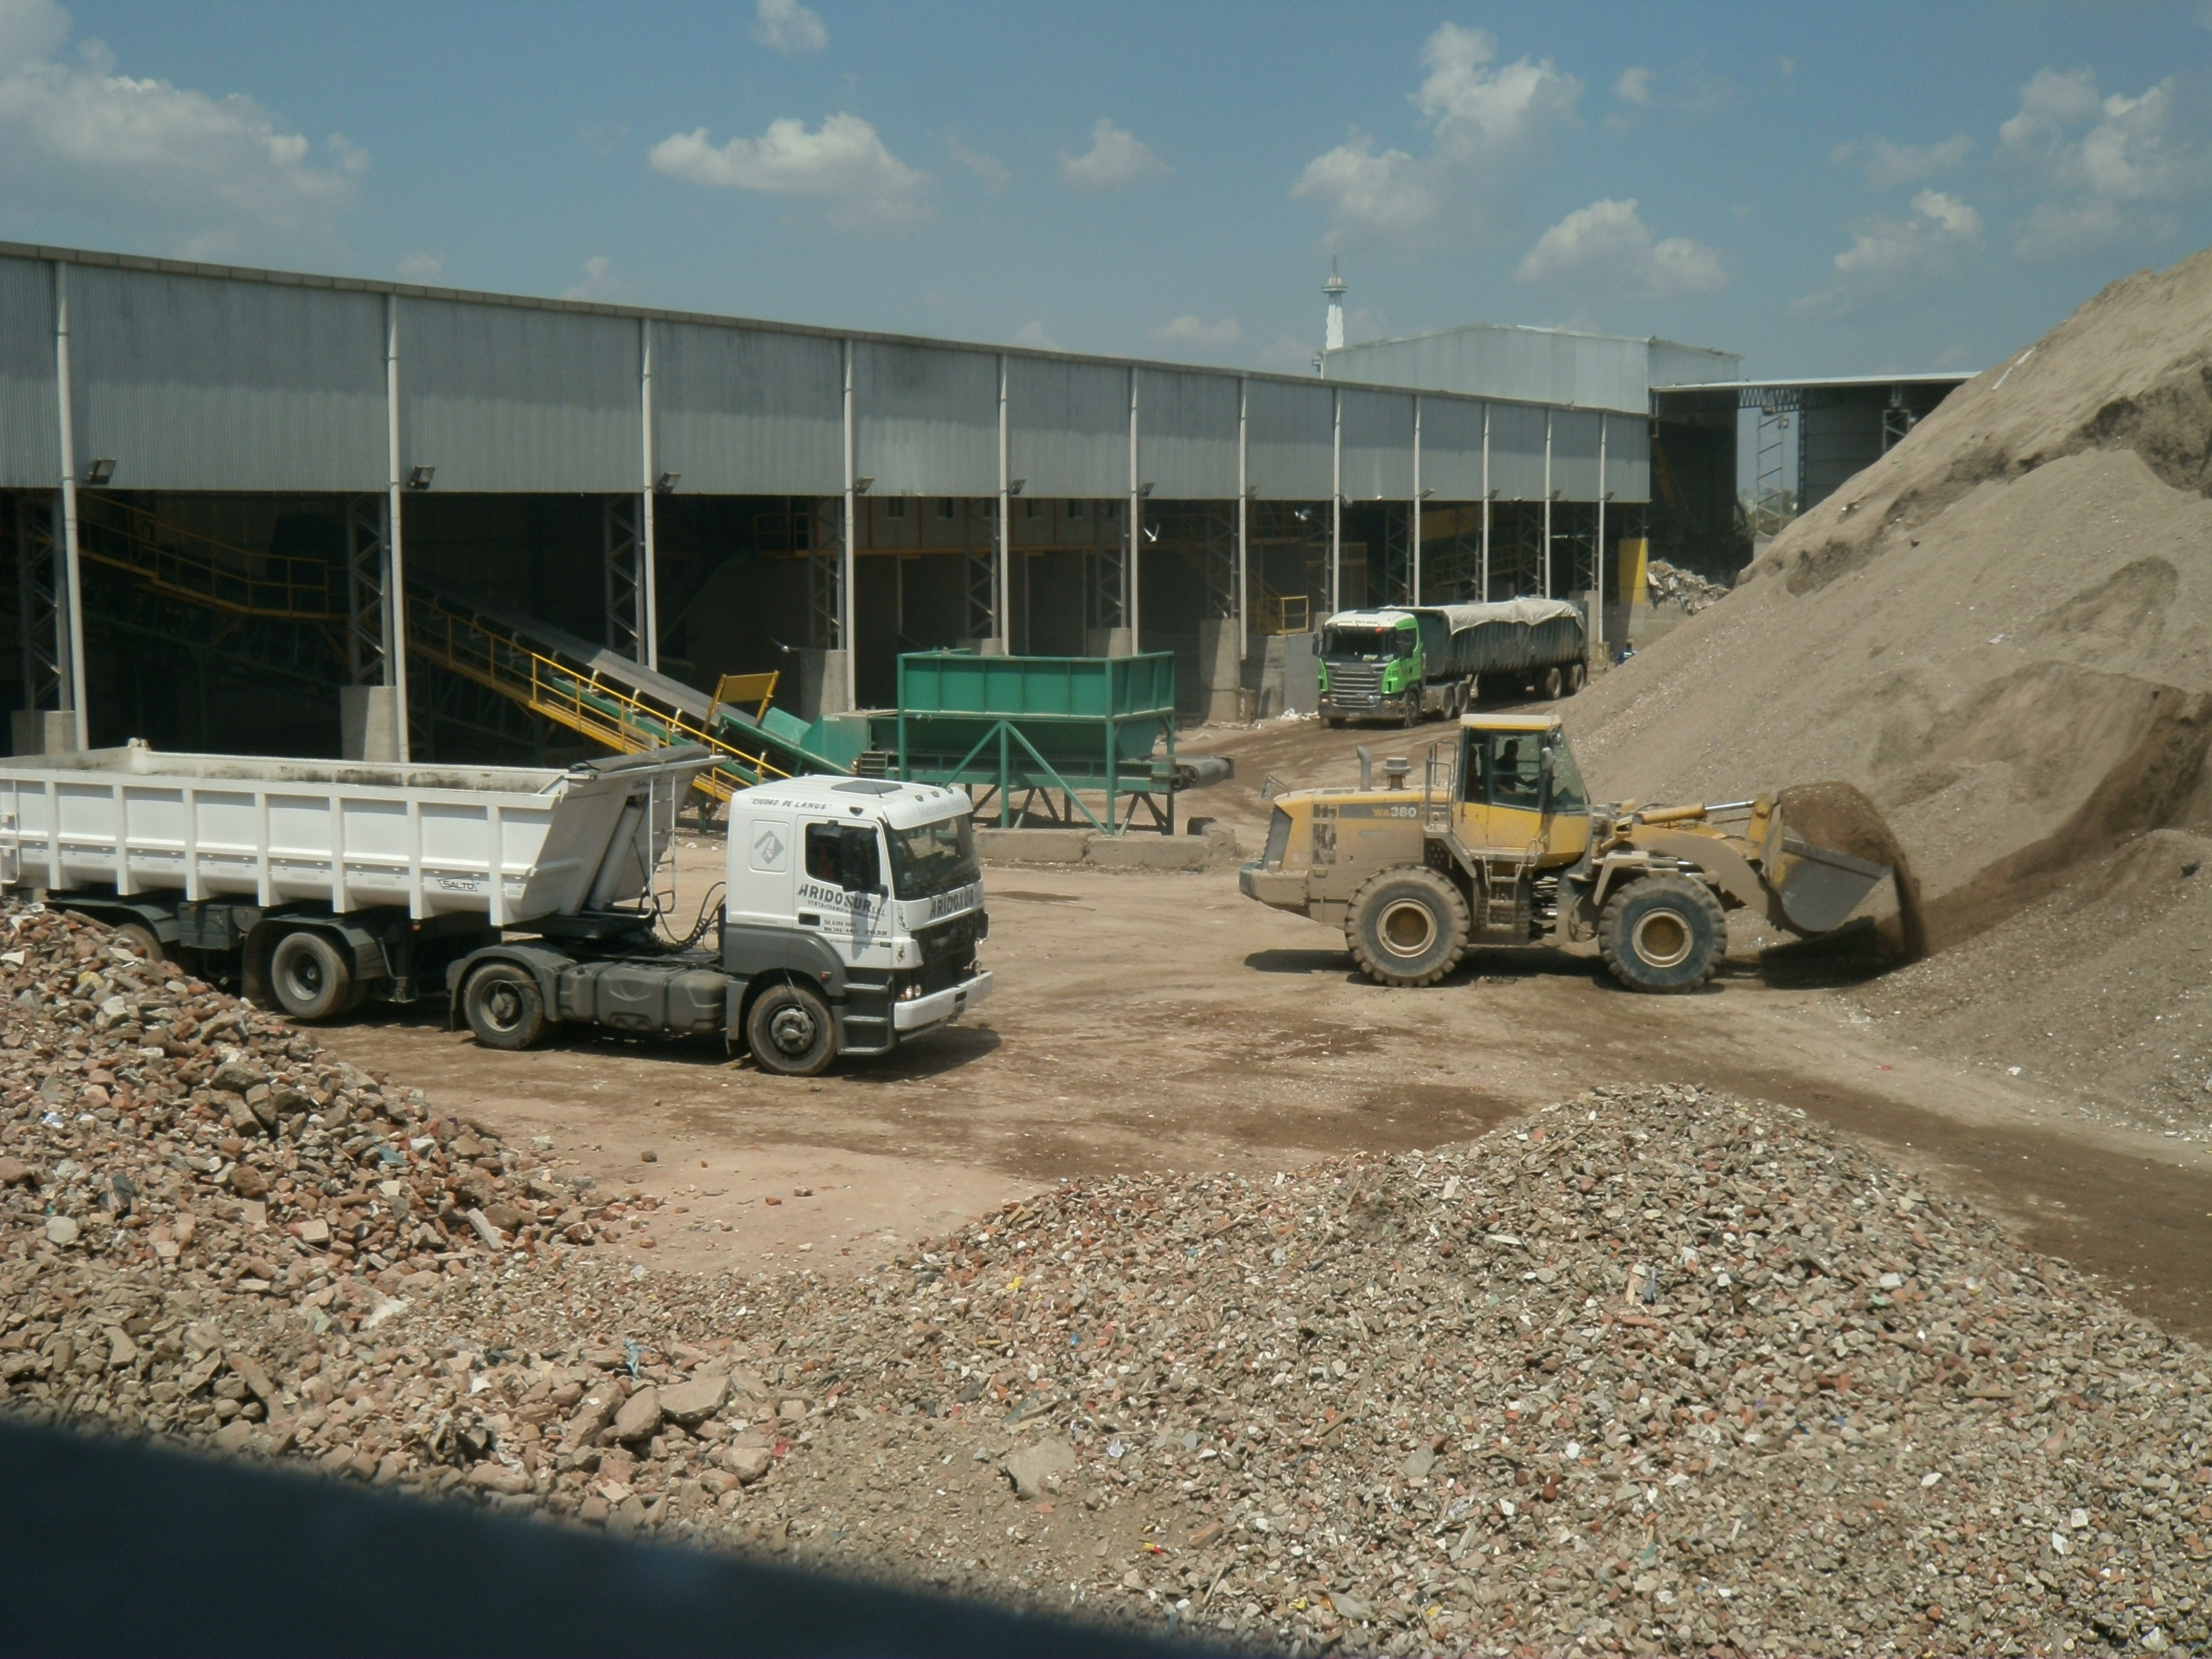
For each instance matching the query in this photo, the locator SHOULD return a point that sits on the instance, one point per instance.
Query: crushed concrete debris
(1656, 1369)
(1669, 584)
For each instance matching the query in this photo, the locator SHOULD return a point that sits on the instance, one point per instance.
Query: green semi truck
(1404, 663)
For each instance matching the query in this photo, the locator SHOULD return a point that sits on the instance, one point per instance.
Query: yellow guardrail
(232, 579)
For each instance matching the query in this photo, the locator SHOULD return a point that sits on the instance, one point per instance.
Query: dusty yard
(1164, 1023)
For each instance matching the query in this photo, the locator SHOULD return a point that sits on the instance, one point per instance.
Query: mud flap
(1821, 887)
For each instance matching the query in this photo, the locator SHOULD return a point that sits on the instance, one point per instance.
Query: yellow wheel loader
(1500, 846)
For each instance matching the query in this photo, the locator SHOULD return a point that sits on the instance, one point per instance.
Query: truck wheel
(1662, 933)
(137, 938)
(309, 976)
(1407, 927)
(1547, 687)
(1577, 676)
(790, 1031)
(1334, 724)
(503, 1006)
(1410, 714)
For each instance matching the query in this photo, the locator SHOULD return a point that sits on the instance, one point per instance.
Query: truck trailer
(1404, 663)
(851, 912)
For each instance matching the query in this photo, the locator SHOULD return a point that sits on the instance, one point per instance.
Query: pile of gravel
(1657, 1369)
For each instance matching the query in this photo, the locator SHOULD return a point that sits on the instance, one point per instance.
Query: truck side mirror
(859, 866)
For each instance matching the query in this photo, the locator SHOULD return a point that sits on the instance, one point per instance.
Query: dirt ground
(1146, 1021)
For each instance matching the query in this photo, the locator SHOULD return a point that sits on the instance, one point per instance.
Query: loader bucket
(1820, 887)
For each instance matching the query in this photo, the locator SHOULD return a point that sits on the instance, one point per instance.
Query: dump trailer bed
(508, 844)
(316, 883)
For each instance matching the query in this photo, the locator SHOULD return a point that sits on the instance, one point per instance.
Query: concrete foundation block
(1141, 851)
(1220, 675)
(1106, 642)
(42, 731)
(369, 723)
(1031, 845)
(821, 685)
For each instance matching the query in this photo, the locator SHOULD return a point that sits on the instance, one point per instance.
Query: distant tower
(1333, 340)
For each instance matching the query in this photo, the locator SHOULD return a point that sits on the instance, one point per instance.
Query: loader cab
(1519, 788)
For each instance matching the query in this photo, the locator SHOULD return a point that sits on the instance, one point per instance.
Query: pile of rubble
(1657, 1370)
(1669, 584)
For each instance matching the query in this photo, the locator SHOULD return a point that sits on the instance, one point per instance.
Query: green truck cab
(1372, 666)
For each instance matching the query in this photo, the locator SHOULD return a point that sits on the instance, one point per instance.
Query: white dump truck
(852, 906)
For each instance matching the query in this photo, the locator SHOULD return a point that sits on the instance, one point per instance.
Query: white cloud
(1034, 336)
(1691, 91)
(1890, 260)
(1194, 334)
(599, 282)
(843, 163)
(1888, 166)
(1606, 248)
(788, 28)
(210, 177)
(1488, 125)
(1290, 356)
(1115, 158)
(2111, 167)
(987, 168)
(424, 266)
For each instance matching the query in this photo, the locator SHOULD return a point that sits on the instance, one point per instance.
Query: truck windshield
(933, 858)
(1370, 644)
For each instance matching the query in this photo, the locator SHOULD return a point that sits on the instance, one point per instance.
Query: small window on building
(944, 507)
(1030, 509)
(1075, 509)
(1111, 510)
(895, 507)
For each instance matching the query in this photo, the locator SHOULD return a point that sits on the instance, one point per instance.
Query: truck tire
(1549, 684)
(1577, 676)
(1409, 713)
(790, 1031)
(503, 1006)
(137, 936)
(1662, 933)
(309, 976)
(1407, 927)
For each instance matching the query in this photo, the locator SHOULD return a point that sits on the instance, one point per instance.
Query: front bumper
(919, 1014)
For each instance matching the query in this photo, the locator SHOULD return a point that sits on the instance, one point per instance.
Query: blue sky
(1826, 189)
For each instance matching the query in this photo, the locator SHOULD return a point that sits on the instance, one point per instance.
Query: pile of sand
(2002, 632)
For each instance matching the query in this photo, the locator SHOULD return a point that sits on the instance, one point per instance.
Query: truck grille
(948, 951)
(1355, 682)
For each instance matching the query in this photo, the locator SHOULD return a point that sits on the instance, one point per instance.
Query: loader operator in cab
(1515, 782)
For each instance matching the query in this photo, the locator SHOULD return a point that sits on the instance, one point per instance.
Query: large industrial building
(231, 494)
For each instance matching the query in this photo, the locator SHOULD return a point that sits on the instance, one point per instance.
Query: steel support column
(72, 607)
(1544, 574)
(648, 586)
(847, 548)
(1002, 580)
(1243, 526)
(1597, 575)
(1131, 599)
(395, 656)
(621, 575)
(1416, 498)
(1487, 494)
(1335, 502)
(369, 590)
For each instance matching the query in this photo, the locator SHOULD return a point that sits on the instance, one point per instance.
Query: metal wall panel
(926, 419)
(1673, 363)
(1574, 454)
(1628, 458)
(506, 399)
(196, 383)
(1490, 360)
(1186, 435)
(1069, 428)
(1289, 432)
(1517, 452)
(30, 435)
(741, 411)
(1377, 445)
(1451, 448)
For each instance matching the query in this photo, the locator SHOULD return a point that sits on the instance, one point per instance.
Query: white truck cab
(851, 912)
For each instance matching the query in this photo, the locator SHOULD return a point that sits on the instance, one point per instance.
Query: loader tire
(1662, 933)
(1407, 927)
